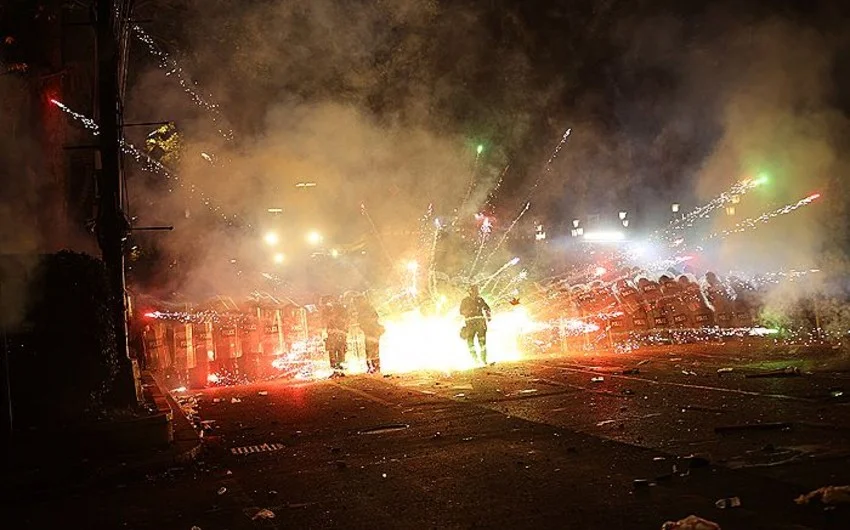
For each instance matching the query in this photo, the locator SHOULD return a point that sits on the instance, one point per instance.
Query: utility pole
(112, 225)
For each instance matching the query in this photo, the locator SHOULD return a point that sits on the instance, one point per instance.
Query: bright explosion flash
(415, 341)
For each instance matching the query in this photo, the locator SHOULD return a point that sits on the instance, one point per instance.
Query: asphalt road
(535, 444)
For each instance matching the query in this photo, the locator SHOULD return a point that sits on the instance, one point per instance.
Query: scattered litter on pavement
(265, 513)
(229, 472)
(674, 359)
(696, 462)
(527, 391)
(789, 371)
(222, 490)
(235, 400)
(383, 475)
(216, 400)
(836, 392)
(263, 393)
(731, 502)
(721, 371)
(462, 387)
(428, 392)
(460, 395)
(628, 392)
(691, 522)
(598, 379)
(700, 408)
(753, 427)
(643, 362)
(689, 372)
(826, 495)
(381, 429)
(659, 458)
(642, 483)
(179, 389)
(605, 422)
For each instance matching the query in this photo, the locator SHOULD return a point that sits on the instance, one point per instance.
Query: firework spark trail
(737, 189)
(492, 193)
(145, 162)
(468, 188)
(496, 274)
(87, 122)
(504, 237)
(503, 292)
(432, 260)
(365, 213)
(171, 67)
(484, 238)
(753, 222)
(547, 169)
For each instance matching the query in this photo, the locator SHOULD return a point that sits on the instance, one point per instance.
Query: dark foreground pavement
(536, 444)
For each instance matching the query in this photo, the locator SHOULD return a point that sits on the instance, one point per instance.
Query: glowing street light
(279, 258)
(334, 253)
(625, 223)
(314, 238)
(479, 149)
(271, 238)
(675, 207)
(623, 215)
(576, 223)
(412, 266)
(605, 237)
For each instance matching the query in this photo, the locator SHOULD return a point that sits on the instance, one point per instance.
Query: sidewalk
(49, 463)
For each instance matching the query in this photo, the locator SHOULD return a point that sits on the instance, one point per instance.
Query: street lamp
(314, 238)
(576, 223)
(412, 266)
(625, 223)
(334, 253)
(278, 258)
(675, 207)
(623, 216)
(270, 238)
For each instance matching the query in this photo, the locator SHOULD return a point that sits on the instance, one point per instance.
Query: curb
(185, 440)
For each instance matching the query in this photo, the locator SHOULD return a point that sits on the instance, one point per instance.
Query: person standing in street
(476, 313)
(337, 336)
(367, 318)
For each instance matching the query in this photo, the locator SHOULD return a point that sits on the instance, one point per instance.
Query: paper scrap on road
(826, 495)
(263, 393)
(691, 522)
(597, 379)
(235, 400)
(265, 513)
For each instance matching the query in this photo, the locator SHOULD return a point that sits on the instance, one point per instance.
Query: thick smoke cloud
(383, 103)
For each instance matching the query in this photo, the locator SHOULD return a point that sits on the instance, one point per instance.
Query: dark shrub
(69, 360)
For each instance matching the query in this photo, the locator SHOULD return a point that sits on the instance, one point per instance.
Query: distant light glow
(605, 237)
(275, 210)
(314, 238)
(480, 149)
(412, 266)
(600, 271)
(334, 253)
(271, 238)
(306, 185)
(279, 258)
